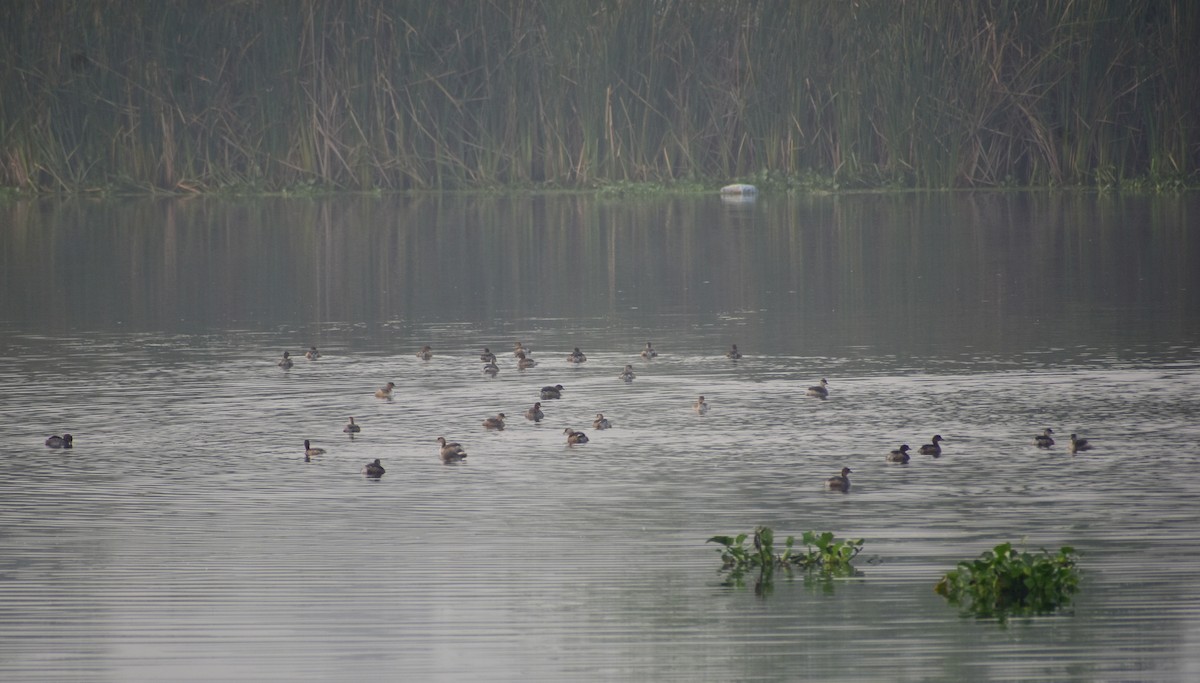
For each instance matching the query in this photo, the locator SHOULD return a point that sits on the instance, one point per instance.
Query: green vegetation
(1006, 582)
(310, 96)
(823, 553)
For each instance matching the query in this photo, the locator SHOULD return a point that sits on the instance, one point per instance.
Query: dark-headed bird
(934, 448)
(574, 437)
(899, 455)
(820, 390)
(840, 482)
(535, 413)
(451, 451)
(311, 451)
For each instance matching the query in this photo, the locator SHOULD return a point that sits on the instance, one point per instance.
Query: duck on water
(840, 482)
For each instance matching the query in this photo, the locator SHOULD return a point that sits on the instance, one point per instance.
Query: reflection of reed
(914, 269)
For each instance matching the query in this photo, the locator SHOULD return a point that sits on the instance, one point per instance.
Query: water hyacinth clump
(1006, 582)
(823, 553)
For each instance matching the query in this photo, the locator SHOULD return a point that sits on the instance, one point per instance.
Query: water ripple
(186, 537)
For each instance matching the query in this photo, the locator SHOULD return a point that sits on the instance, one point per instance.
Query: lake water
(185, 537)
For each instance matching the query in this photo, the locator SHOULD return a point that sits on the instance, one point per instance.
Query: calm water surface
(186, 538)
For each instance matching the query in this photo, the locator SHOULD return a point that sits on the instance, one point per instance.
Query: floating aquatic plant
(822, 553)
(1007, 582)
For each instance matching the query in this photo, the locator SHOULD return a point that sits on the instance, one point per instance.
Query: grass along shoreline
(269, 96)
(807, 184)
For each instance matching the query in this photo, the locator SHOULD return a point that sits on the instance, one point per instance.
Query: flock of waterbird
(451, 452)
(841, 482)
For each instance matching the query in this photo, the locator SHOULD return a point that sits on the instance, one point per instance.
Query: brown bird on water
(841, 482)
(934, 448)
(574, 437)
(451, 451)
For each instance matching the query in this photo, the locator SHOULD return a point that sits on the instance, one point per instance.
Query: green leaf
(1006, 581)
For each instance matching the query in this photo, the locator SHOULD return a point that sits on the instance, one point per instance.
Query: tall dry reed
(193, 95)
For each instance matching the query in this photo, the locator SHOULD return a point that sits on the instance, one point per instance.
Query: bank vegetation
(268, 95)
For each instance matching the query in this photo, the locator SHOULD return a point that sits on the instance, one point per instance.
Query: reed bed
(202, 95)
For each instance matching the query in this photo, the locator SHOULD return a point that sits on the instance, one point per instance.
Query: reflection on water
(185, 537)
(931, 272)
